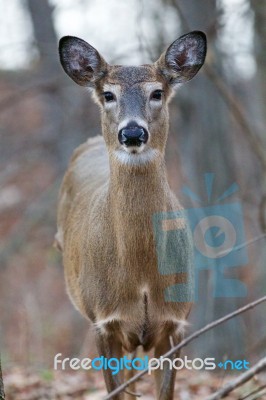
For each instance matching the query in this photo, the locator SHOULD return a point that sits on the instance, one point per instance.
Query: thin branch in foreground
(2, 392)
(262, 213)
(240, 380)
(256, 391)
(186, 341)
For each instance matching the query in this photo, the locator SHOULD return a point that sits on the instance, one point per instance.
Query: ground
(26, 385)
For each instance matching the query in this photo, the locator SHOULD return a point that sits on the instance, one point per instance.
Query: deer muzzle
(133, 136)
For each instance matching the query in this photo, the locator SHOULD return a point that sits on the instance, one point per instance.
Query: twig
(262, 213)
(132, 393)
(256, 391)
(186, 341)
(230, 99)
(260, 395)
(236, 110)
(2, 392)
(240, 380)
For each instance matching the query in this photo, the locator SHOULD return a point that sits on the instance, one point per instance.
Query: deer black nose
(133, 136)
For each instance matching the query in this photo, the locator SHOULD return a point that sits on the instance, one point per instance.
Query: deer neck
(135, 195)
(137, 188)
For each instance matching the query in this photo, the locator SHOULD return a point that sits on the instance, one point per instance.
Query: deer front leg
(109, 347)
(165, 378)
(131, 389)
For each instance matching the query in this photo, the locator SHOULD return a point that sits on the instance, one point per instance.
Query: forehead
(128, 76)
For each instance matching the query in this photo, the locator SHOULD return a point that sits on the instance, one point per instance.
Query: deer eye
(157, 95)
(108, 97)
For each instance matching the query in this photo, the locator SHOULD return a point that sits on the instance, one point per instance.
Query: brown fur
(105, 226)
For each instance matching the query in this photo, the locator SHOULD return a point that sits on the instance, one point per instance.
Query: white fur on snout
(141, 158)
(134, 149)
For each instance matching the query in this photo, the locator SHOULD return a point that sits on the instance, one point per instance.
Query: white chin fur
(135, 155)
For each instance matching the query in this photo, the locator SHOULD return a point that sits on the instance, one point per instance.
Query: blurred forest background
(217, 125)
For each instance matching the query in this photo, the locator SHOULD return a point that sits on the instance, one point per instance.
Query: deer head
(134, 99)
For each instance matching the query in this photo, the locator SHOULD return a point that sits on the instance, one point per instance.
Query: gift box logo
(219, 241)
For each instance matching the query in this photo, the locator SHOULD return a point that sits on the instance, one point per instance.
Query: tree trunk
(48, 69)
(44, 32)
(65, 108)
(206, 147)
(259, 9)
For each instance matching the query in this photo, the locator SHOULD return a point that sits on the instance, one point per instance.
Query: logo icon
(218, 237)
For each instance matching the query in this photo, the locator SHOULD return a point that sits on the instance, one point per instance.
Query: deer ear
(183, 58)
(81, 61)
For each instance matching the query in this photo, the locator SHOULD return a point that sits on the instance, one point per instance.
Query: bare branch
(236, 110)
(186, 341)
(231, 100)
(2, 393)
(240, 380)
(262, 213)
(256, 391)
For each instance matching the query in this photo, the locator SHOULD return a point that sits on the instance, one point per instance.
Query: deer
(115, 184)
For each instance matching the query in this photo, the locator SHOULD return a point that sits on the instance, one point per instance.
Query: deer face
(134, 110)
(134, 100)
